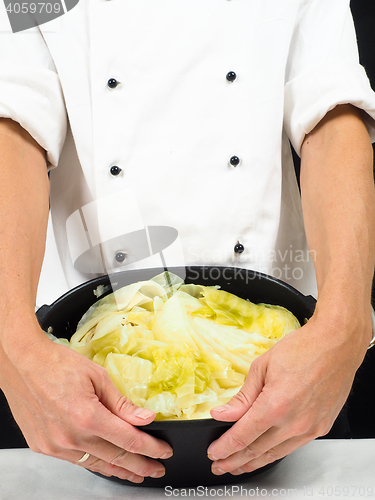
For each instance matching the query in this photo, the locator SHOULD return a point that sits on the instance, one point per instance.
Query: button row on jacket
(234, 161)
(113, 83)
(121, 256)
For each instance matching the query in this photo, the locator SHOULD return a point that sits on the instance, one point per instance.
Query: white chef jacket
(144, 87)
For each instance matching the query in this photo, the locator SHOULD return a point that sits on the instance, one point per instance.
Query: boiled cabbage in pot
(178, 349)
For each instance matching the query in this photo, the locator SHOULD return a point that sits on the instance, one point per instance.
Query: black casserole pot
(189, 465)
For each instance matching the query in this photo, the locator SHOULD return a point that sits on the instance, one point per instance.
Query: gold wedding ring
(83, 458)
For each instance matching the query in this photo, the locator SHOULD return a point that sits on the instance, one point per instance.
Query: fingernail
(135, 479)
(237, 471)
(158, 473)
(218, 471)
(220, 409)
(210, 455)
(143, 413)
(168, 454)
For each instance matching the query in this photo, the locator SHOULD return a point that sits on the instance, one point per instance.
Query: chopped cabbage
(178, 349)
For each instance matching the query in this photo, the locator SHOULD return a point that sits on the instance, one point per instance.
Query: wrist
(18, 334)
(347, 322)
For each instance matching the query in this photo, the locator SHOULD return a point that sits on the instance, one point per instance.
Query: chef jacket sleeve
(30, 91)
(323, 69)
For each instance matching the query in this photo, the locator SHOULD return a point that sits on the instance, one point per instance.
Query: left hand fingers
(257, 454)
(250, 411)
(268, 431)
(256, 425)
(304, 388)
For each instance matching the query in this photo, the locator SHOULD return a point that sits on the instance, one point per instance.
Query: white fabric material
(30, 91)
(309, 96)
(174, 121)
(322, 69)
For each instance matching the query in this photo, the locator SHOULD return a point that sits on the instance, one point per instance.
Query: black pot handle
(42, 312)
(311, 302)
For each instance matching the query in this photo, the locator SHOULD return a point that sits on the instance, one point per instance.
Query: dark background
(360, 406)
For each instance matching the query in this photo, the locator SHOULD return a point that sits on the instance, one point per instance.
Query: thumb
(121, 406)
(244, 399)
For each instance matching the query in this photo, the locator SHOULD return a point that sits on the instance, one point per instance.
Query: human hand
(67, 405)
(292, 394)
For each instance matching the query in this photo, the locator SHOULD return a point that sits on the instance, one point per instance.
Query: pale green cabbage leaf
(178, 349)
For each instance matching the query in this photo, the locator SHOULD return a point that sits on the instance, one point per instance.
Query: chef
(173, 121)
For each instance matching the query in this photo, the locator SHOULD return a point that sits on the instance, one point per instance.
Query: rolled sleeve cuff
(309, 96)
(34, 99)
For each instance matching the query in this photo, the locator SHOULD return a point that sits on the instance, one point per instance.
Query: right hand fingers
(79, 408)
(120, 444)
(116, 421)
(111, 460)
(116, 447)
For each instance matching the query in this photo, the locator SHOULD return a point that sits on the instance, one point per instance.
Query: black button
(231, 76)
(115, 170)
(238, 247)
(234, 161)
(112, 83)
(120, 256)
